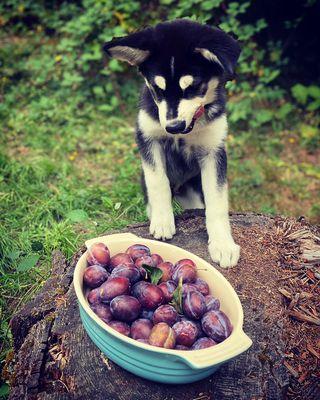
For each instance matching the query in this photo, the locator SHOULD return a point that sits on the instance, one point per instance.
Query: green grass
(70, 170)
(56, 190)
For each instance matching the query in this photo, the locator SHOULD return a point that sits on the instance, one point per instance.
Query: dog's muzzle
(178, 126)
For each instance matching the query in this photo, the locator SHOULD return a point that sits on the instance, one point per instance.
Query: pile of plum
(152, 301)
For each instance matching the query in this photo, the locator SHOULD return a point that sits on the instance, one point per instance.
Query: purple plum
(94, 276)
(120, 258)
(189, 287)
(186, 332)
(93, 296)
(216, 325)
(202, 286)
(185, 261)
(167, 289)
(125, 308)
(187, 272)
(156, 259)
(113, 287)
(103, 311)
(167, 271)
(181, 347)
(141, 329)
(129, 271)
(203, 343)
(194, 305)
(98, 254)
(149, 295)
(212, 303)
(138, 250)
(121, 327)
(162, 335)
(165, 313)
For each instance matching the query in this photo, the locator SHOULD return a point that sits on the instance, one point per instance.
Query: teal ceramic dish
(153, 363)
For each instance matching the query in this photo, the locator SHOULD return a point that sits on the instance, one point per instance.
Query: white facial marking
(188, 107)
(185, 81)
(209, 136)
(160, 82)
(147, 83)
(172, 66)
(129, 54)
(149, 126)
(209, 55)
(162, 108)
(159, 195)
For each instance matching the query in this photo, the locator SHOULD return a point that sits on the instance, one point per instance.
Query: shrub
(59, 48)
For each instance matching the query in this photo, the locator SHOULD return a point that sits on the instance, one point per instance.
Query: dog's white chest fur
(207, 135)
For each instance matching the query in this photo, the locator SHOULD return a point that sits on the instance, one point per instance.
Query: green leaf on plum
(154, 273)
(177, 298)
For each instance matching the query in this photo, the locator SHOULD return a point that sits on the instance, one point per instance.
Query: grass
(70, 171)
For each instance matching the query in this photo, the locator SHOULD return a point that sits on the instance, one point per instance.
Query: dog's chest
(181, 160)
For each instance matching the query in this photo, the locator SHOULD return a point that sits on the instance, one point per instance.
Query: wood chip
(303, 317)
(105, 361)
(303, 377)
(294, 301)
(313, 351)
(289, 276)
(310, 275)
(291, 369)
(306, 295)
(312, 313)
(285, 293)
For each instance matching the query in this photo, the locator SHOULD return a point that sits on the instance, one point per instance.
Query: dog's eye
(197, 88)
(196, 85)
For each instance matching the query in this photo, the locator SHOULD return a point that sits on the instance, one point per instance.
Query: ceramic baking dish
(158, 364)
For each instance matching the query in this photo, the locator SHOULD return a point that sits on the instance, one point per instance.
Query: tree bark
(55, 359)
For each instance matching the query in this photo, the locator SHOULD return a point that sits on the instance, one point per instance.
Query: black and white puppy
(182, 124)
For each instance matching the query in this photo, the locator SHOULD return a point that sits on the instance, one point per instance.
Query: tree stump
(55, 359)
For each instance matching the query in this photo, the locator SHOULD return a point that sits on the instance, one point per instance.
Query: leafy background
(69, 168)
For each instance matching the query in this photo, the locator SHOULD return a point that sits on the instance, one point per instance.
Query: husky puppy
(182, 124)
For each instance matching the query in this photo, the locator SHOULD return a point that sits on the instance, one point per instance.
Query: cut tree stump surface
(55, 359)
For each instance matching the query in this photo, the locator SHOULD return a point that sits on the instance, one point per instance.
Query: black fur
(144, 146)
(221, 165)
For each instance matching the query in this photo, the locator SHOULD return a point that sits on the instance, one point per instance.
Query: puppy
(182, 124)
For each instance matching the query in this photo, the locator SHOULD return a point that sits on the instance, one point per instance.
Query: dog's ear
(219, 47)
(134, 48)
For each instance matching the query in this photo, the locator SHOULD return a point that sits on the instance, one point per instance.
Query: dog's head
(182, 62)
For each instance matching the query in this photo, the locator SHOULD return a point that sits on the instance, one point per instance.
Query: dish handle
(110, 238)
(205, 358)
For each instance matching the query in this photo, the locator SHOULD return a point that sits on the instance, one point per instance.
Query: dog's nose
(176, 127)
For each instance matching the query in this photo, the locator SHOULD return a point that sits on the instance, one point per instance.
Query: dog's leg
(222, 247)
(159, 207)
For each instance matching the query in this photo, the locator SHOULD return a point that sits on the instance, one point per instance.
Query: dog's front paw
(162, 226)
(226, 252)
